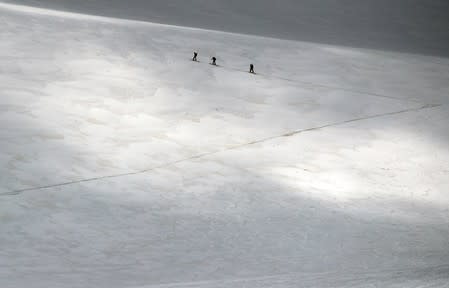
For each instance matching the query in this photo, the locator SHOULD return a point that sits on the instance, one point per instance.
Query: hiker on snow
(195, 54)
(214, 61)
(251, 68)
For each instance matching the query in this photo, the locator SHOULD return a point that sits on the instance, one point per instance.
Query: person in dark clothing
(195, 54)
(251, 68)
(214, 61)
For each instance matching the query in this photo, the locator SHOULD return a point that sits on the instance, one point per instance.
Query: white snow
(125, 164)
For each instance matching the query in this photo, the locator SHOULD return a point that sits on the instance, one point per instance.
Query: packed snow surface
(125, 164)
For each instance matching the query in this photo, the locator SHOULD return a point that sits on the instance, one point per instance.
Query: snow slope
(419, 26)
(124, 164)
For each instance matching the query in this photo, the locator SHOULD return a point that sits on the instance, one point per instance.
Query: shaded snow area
(125, 164)
(418, 26)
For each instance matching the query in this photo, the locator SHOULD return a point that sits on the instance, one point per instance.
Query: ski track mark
(313, 84)
(202, 155)
(329, 87)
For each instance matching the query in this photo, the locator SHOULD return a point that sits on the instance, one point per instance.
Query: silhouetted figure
(195, 54)
(214, 61)
(251, 68)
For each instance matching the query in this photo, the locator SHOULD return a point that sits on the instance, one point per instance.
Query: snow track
(288, 134)
(298, 81)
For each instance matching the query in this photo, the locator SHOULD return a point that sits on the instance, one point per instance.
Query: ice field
(125, 164)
